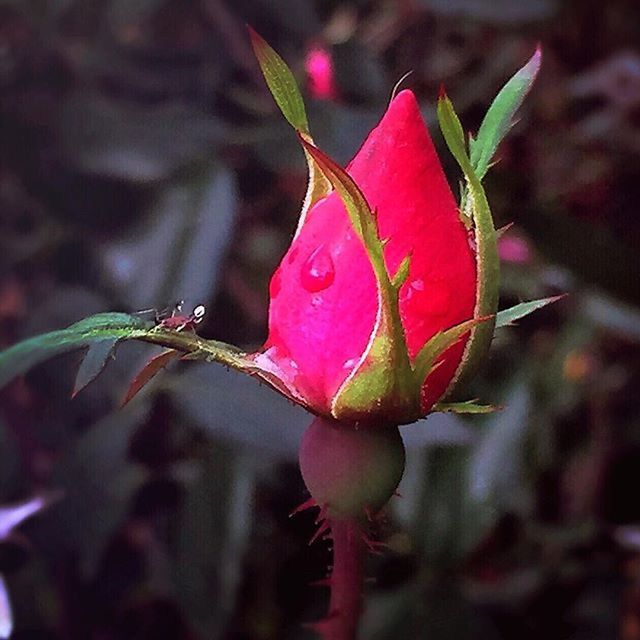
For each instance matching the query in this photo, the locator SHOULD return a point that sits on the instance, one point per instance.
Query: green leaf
(94, 361)
(114, 327)
(281, 83)
(499, 117)
(466, 407)
(19, 358)
(507, 317)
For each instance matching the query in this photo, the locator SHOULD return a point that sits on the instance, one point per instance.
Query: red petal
(323, 294)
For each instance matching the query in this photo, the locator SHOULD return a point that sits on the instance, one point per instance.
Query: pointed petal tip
(403, 106)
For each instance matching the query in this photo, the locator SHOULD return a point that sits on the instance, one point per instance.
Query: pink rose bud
(320, 75)
(324, 302)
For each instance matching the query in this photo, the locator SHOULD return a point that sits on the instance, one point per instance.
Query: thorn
(322, 529)
(373, 546)
(307, 504)
(442, 92)
(397, 494)
(370, 514)
(322, 514)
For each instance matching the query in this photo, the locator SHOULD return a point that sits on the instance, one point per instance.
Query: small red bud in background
(318, 64)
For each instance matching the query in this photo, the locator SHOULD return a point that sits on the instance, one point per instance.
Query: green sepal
(383, 381)
(499, 117)
(469, 407)
(281, 83)
(426, 359)
(507, 317)
(402, 273)
(285, 92)
(487, 262)
(474, 204)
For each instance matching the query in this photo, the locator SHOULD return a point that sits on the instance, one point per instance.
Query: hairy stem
(345, 605)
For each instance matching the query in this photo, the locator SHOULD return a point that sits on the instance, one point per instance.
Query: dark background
(143, 161)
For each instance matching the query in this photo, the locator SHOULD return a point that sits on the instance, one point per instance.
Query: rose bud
(325, 298)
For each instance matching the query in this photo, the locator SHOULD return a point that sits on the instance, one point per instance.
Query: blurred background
(143, 161)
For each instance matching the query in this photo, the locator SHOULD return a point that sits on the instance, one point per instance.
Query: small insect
(179, 322)
(173, 318)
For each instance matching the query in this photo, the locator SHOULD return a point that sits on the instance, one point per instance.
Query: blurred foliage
(142, 162)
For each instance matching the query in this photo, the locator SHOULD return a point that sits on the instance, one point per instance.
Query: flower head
(324, 298)
(386, 299)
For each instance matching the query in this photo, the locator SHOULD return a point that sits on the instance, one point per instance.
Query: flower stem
(345, 605)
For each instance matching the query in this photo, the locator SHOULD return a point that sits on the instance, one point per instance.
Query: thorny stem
(346, 582)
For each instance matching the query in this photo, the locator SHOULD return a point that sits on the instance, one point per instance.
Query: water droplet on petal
(318, 271)
(350, 363)
(415, 286)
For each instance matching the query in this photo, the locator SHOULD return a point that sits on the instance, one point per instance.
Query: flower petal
(324, 294)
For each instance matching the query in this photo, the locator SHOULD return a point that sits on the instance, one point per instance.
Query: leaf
(506, 317)
(154, 366)
(19, 358)
(99, 481)
(281, 83)
(499, 117)
(136, 143)
(194, 217)
(93, 362)
(212, 535)
(466, 407)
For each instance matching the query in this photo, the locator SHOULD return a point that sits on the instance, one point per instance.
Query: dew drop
(318, 271)
(349, 364)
